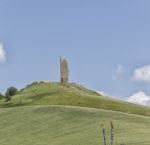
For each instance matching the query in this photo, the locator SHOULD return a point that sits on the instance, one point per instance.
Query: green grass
(69, 94)
(68, 114)
(64, 125)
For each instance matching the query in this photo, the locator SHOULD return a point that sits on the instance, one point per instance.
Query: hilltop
(43, 93)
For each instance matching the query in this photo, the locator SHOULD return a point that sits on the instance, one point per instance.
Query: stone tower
(64, 72)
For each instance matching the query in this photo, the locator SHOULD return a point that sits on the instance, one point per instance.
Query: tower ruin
(64, 72)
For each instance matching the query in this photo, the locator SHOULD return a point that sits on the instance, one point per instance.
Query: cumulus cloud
(105, 94)
(140, 98)
(142, 74)
(2, 53)
(119, 73)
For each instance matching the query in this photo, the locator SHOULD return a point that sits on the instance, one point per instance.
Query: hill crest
(44, 93)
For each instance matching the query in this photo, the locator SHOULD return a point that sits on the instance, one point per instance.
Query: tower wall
(64, 72)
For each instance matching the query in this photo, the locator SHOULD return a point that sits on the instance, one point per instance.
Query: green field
(67, 114)
(62, 125)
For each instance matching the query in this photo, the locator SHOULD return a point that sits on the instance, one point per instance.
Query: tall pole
(112, 133)
(104, 134)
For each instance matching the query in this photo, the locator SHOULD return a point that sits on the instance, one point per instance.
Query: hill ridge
(44, 93)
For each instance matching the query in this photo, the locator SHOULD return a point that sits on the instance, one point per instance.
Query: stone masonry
(64, 72)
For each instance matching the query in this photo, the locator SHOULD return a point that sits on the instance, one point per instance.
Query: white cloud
(142, 74)
(2, 53)
(140, 98)
(119, 73)
(105, 94)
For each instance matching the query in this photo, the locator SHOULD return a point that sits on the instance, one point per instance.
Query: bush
(32, 84)
(1, 96)
(10, 92)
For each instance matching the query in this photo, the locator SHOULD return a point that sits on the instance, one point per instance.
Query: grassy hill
(68, 114)
(70, 94)
(64, 125)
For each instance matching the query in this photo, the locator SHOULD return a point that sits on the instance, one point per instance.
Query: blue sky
(107, 43)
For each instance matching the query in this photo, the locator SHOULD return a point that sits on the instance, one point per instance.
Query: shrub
(1, 96)
(10, 92)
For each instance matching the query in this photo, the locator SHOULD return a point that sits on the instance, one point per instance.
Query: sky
(107, 44)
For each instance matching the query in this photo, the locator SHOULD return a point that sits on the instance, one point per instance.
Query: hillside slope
(70, 94)
(66, 125)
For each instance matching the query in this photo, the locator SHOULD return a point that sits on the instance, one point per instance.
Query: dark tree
(10, 92)
(1, 96)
